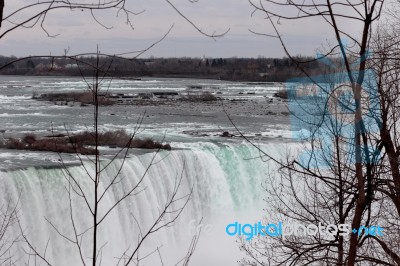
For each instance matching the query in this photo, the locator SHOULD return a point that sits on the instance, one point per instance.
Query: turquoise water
(226, 175)
(227, 185)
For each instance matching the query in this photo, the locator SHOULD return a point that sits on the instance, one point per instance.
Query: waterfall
(226, 179)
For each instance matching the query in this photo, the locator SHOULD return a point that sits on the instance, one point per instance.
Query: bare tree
(348, 172)
(20, 15)
(34, 14)
(87, 195)
(86, 238)
(9, 237)
(1, 11)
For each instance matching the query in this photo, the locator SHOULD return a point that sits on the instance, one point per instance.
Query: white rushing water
(227, 186)
(226, 175)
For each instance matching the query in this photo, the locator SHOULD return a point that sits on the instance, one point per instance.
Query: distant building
(149, 63)
(71, 66)
(43, 66)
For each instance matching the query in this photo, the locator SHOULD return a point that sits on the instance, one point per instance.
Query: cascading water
(227, 183)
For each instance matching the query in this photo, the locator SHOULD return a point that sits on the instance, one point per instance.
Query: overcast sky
(79, 32)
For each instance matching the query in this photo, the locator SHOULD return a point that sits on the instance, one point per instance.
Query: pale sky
(79, 32)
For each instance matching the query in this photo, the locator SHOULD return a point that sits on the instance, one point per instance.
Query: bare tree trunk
(173, 205)
(341, 204)
(97, 160)
(363, 197)
(1, 11)
(352, 181)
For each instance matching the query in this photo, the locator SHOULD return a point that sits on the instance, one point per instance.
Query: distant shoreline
(227, 69)
(50, 74)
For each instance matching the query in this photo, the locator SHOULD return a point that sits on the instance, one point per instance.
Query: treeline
(236, 69)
